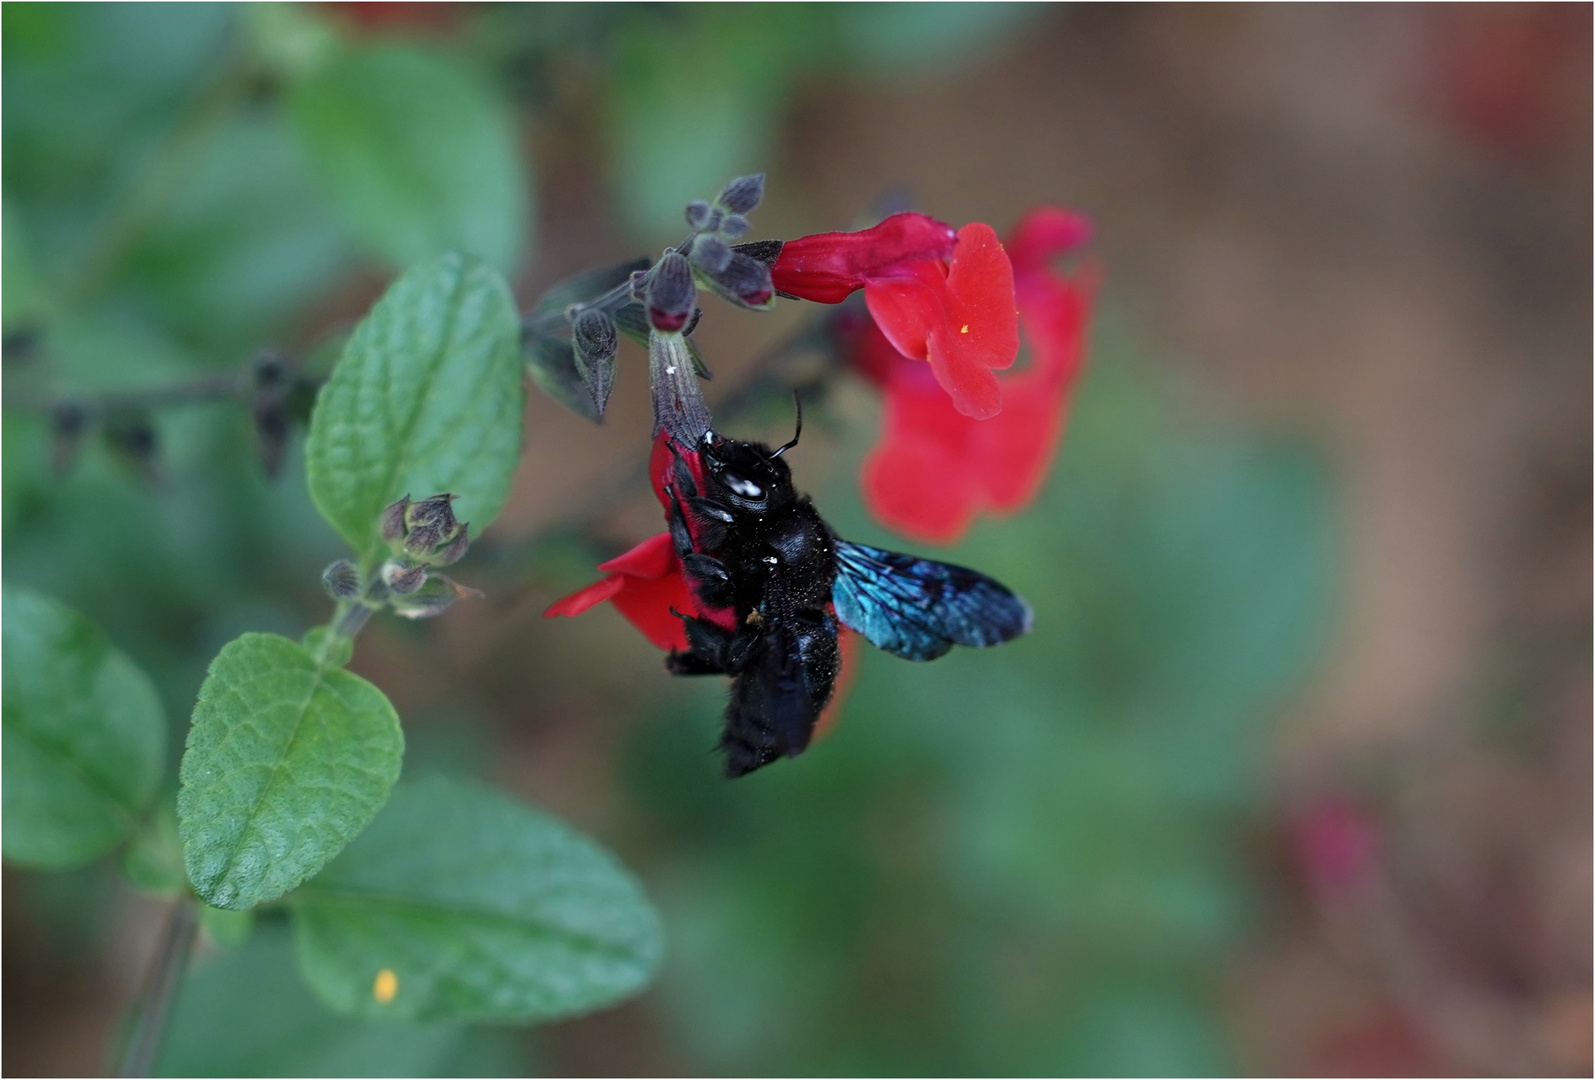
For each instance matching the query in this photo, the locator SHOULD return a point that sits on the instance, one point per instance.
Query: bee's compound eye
(739, 485)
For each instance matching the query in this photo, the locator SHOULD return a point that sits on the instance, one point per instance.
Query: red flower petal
(935, 467)
(1045, 232)
(643, 584)
(829, 267)
(964, 321)
(647, 606)
(650, 560)
(586, 597)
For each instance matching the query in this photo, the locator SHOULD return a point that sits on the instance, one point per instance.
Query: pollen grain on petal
(965, 328)
(385, 987)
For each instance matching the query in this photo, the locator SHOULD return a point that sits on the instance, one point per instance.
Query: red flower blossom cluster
(935, 294)
(938, 463)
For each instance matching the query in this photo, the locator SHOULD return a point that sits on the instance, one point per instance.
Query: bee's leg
(713, 520)
(690, 663)
(712, 649)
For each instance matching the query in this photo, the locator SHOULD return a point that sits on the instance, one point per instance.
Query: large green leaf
(247, 1013)
(84, 734)
(426, 399)
(415, 155)
(480, 907)
(288, 759)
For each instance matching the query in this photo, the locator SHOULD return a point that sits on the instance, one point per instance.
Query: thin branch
(160, 987)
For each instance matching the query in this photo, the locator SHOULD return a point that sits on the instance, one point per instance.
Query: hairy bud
(595, 340)
(393, 520)
(432, 511)
(711, 253)
(745, 281)
(678, 403)
(742, 194)
(341, 580)
(403, 578)
(697, 214)
(734, 226)
(671, 293)
(435, 596)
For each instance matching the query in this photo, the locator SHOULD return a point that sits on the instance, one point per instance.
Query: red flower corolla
(936, 295)
(646, 582)
(936, 467)
(643, 584)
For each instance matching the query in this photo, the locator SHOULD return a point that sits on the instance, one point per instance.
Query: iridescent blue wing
(920, 608)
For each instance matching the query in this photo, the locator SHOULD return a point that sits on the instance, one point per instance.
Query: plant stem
(155, 1003)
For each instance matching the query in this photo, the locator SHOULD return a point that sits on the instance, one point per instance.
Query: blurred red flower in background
(936, 295)
(937, 466)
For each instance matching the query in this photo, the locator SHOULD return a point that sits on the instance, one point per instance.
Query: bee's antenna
(798, 399)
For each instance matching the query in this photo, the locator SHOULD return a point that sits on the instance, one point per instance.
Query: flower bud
(734, 226)
(697, 214)
(742, 194)
(393, 520)
(434, 597)
(455, 549)
(595, 340)
(420, 541)
(671, 293)
(711, 253)
(745, 282)
(433, 511)
(678, 403)
(403, 578)
(341, 580)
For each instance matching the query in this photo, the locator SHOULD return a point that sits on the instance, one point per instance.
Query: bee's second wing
(920, 608)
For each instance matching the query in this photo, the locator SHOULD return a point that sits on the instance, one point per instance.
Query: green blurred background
(1293, 775)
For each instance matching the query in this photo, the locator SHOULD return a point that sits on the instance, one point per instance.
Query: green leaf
(287, 761)
(228, 929)
(415, 155)
(154, 858)
(427, 399)
(480, 907)
(84, 733)
(246, 1012)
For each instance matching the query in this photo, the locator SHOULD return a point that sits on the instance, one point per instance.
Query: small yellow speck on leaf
(965, 330)
(386, 986)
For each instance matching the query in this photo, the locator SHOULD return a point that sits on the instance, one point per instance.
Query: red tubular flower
(647, 582)
(643, 584)
(936, 466)
(937, 295)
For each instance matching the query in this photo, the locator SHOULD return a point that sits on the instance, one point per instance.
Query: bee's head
(748, 476)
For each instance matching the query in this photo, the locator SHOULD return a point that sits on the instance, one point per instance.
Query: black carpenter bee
(752, 545)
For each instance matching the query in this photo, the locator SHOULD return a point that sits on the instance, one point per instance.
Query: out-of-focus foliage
(484, 909)
(84, 736)
(386, 131)
(1032, 860)
(246, 1013)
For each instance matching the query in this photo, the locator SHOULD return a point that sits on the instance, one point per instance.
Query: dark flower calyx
(401, 578)
(595, 338)
(341, 580)
(671, 293)
(742, 194)
(711, 253)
